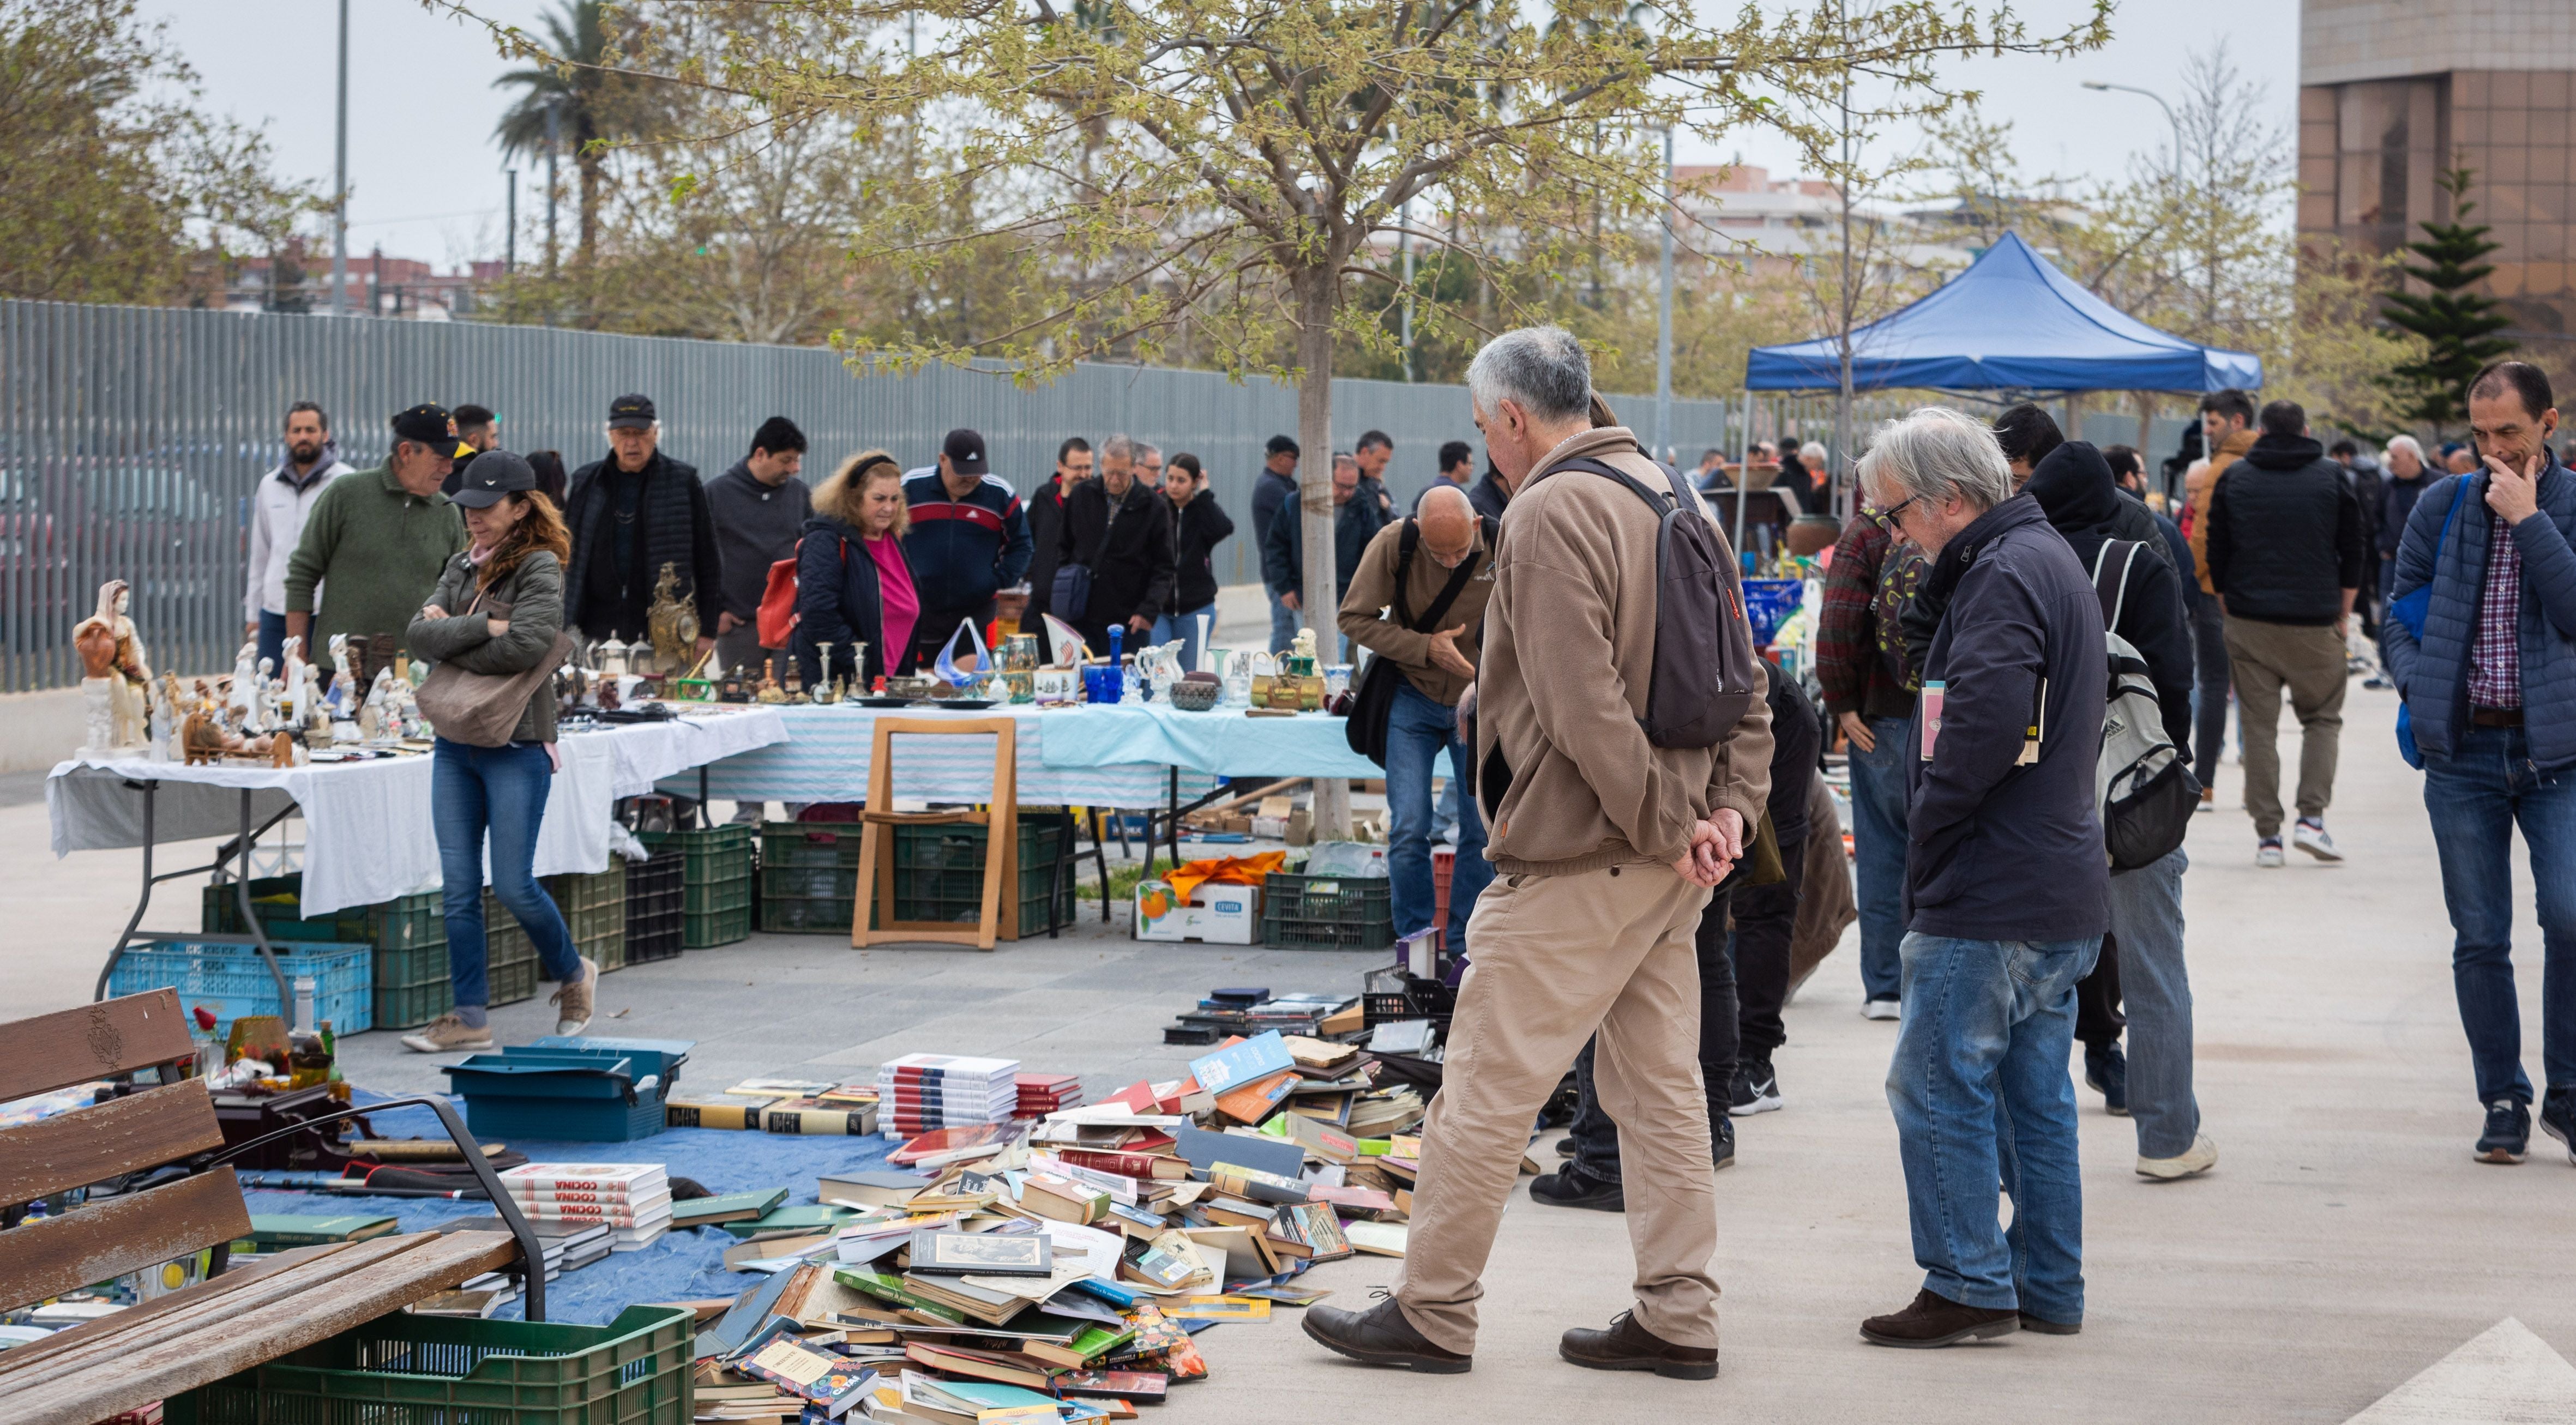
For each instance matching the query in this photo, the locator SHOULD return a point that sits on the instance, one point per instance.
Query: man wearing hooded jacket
(2076, 489)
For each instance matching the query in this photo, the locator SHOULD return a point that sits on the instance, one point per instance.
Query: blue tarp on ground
(678, 1266)
(2011, 322)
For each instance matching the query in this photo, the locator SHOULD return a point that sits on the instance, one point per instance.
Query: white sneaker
(2202, 1157)
(2311, 838)
(2267, 852)
(1881, 1009)
(2208, 799)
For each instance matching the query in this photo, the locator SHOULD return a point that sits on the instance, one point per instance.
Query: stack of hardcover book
(1042, 1094)
(921, 1092)
(632, 1200)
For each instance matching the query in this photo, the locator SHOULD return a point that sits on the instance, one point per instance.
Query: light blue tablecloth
(1226, 742)
(825, 759)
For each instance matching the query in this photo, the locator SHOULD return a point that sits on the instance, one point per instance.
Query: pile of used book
(1247, 1011)
(1062, 1266)
(631, 1200)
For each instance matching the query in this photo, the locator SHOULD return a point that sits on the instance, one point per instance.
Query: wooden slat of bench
(53, 1051)
(125, 1381)
(135, 1324)
(122, 1135)
(92, 1244)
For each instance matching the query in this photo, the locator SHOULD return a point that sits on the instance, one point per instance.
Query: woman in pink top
(853, 586)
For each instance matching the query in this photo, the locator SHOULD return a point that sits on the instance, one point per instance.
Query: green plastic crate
(438, 1370)
(939, 874)
(699, 898)
(413, 984)
(1327, 912)
(704, 930)
(510, 958)
(809, 876)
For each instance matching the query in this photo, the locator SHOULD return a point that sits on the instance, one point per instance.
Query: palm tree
(573, 93)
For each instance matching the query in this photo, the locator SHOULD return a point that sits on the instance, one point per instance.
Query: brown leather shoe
(1935, 1320)
(1627, 1346)
(2046, 1327)
(1380, 1336)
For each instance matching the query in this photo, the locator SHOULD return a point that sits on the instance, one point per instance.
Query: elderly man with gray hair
(1606, 846)
(2006, 886)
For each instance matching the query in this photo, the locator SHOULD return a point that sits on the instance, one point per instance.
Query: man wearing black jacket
(1122, 531)
(1199, 525)
(628, 516)
(2004, 889)
(2285, 559)
(1046, 527)
(1274, 492)
(1356, 520)
(2076, 488)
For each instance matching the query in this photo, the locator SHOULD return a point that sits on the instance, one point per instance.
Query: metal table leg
(238, 857)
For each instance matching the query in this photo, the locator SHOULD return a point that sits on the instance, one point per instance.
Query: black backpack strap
(1405, 543)
(1660, 504)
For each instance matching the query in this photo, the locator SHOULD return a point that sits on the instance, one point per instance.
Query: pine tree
(2458, 325)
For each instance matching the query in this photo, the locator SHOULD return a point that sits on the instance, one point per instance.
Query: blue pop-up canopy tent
(2011, 322)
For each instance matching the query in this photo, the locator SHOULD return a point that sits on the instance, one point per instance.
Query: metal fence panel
(132, 438)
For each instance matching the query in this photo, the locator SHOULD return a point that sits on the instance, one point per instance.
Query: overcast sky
(426, 178)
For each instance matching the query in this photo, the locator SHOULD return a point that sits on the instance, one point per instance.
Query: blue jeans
(2476, 796)
(1416, 729)
(1878, 845)
(272, 643)
(1284, 623)
(2212, 674)
(1185, 627)
(500, 790)
(2146, 918)
(1982, 1097)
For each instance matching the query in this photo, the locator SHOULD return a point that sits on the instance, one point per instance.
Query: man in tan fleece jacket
(1605, 848)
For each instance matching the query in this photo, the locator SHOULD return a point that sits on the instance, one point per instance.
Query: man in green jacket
(377, 540)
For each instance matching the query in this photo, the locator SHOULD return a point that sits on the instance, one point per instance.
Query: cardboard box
(1216, 915)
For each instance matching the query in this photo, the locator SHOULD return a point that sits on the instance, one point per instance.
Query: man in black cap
(629, 515)
(1274, 490)
(479, 430)
(969, 538)
(376, 540)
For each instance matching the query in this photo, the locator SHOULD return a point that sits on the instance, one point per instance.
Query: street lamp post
(340, 181)
(2147, 409)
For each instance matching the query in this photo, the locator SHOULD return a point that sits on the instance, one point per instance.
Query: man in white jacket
(277, 509)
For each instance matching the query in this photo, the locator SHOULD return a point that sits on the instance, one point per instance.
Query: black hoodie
(2284, 534)
(2074, 485)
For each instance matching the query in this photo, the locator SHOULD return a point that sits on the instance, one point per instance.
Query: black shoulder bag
(1375, 697)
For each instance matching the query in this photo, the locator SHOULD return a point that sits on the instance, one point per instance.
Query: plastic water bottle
(304, 996)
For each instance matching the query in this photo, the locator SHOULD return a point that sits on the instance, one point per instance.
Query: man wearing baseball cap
(376, 540)
(969, 538)
(629, 515)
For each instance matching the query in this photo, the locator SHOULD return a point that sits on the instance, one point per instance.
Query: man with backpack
(1623, 752)
(2143, 607)
(1417, 602)
(2005, 884)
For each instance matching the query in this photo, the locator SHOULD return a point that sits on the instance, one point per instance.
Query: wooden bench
(235, 1319)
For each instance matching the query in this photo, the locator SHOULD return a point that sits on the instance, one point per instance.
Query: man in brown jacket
(1607, 847)
(1417, 600)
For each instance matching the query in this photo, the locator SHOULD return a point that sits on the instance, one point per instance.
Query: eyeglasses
(1888, 515)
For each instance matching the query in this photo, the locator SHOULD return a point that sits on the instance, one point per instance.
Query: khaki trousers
(2266, 658)
(1557, 958)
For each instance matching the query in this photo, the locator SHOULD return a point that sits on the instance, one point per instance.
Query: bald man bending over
(1418, 601)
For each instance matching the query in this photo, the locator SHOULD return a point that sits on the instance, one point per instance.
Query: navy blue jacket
(963, 550)
(1997, 851)
(1356, 521)
(1271, 493)
(839, 602)
(2433, 673)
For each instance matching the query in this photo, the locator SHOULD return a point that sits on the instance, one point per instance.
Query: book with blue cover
(1242, 1063)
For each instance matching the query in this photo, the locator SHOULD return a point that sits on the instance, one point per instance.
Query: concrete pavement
(2345, 1244)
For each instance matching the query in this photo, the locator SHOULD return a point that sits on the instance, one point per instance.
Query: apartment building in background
(2392, 92)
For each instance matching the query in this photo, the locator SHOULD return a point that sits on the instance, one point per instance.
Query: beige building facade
(2392, 92)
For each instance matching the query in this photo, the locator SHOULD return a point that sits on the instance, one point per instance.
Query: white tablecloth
(825, 759)
(368, 835)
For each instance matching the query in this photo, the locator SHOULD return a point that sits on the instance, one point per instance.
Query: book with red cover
(950, 1140)
(1256, 1101)
(1141, 1166)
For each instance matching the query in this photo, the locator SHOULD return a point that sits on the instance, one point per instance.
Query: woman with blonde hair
(854, 588)
(507, 588)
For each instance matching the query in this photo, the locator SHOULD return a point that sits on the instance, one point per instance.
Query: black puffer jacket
(2284, 534)
(2074, 486)
(673, 526)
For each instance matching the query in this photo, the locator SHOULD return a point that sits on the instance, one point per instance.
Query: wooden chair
(233, 1320)
(1001, 823)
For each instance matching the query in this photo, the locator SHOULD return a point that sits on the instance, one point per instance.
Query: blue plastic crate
(232, 980)
(1769, 602)
(613, 1091)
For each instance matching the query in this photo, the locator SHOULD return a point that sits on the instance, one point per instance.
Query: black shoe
(1565, 1147)
(2046, 1327)
(1573, 1187)
(2106, 1072)
(1721, 1141)
(2558, 1118)
(1380, 1336)
(1627, 1346)
(1933, 1320)
(2508, 1134)
(1756, 1090)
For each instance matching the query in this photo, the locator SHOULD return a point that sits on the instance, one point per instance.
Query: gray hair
(1541, 368)
(1143, 450)
(1813, 452)
(1119, 449)
(1344, 457)
(2406, 443)
(1934, 452)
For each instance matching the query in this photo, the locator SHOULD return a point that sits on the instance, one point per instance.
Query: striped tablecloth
(825, 759)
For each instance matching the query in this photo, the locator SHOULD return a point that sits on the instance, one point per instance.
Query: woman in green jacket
(507, 588)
